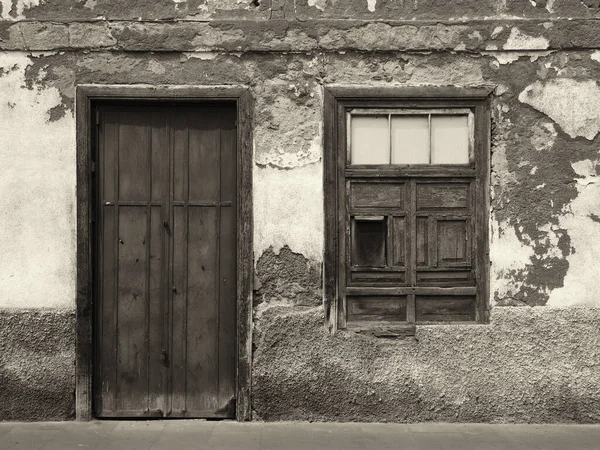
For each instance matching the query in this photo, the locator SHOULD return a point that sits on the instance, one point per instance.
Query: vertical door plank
(108, 345)
(202, 315)
(156, 313)
(108, 155)
(160, 155)
(105, 382)
(157, 309)
(131, 327)
(202, 337)
(178, 353)
(134, 168)
(179, 269)
(227, 311)
(204, 155)
(227, 270)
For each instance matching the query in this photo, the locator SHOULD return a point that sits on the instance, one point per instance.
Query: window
(406, 173)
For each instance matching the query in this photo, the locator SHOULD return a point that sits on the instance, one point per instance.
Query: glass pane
(410, 140)
(449, 140)
(368, 242)
(370, 140)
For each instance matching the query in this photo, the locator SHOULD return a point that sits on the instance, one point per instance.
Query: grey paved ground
(158, 435)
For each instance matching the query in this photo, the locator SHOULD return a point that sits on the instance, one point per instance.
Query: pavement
(225, 435)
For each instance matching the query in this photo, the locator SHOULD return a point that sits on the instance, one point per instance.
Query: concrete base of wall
(527, 365)
(37, 364)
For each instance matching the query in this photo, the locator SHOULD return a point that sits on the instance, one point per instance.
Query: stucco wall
(544, 58)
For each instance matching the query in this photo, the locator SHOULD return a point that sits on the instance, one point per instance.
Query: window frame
(338, 102)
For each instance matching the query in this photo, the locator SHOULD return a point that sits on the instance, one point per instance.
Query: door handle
(166, 226)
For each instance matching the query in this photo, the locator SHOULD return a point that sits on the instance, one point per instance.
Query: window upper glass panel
(410, 137)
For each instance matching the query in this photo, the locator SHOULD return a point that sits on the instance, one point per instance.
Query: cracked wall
(538, 354)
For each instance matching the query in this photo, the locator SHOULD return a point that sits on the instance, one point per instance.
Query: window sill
(389, 330)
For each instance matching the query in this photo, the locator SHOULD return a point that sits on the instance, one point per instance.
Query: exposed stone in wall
(527, 365)
(287, 277)
(295, 9)
(37, 365)
(300, 36)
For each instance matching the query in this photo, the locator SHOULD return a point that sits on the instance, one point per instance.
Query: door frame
(84, 348)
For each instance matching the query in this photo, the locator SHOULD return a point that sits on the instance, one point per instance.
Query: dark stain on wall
(37, 365)
(287, 276)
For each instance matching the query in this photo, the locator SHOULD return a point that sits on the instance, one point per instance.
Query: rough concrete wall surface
(37, 351)
(542, 56)
(528, 364)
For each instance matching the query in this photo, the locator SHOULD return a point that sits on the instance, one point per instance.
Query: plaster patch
(288, 210)
(595, 55)
(510, 57)
(201, 55)
(371, 5)
(156, 67)
(288, 129)
(521, 41)
(581, 282)
(37, 237)
(20, 7)
(543, 136)
(573, 105)
(508, 256)
(319, 4)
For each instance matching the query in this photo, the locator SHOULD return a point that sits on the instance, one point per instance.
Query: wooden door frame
(86, 95)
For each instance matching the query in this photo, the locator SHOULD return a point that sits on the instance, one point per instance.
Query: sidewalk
(205, 435)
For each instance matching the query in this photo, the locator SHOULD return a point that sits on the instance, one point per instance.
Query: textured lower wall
(527, 365)
(37, 364)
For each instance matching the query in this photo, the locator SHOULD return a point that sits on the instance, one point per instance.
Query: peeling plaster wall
(37, 179)
(537, 360)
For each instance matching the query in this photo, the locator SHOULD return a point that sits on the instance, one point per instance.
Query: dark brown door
(165, 261)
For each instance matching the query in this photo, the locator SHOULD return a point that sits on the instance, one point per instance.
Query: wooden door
(165, 260)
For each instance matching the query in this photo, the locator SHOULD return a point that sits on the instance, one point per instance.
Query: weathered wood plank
(377, 306)
(178, 333)
(204, 153)
(445, 308)
(156, 313)
(227, 269)
(447, 196)
(134, 161)
(131, 327)
(373, 195)
(202, 369)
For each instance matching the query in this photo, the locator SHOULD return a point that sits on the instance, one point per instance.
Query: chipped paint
(371, 5)
(19, 5)
(512, 56)
(595, 55)
(37, 238)
(574, 105)
(319, 4)
(288, 210)
(201, 55)
(581, 219)
(509, 257)
(521, 41)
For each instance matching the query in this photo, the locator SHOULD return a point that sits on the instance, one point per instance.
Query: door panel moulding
(86, 96)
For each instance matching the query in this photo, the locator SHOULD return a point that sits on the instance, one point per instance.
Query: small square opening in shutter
(369, 237)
